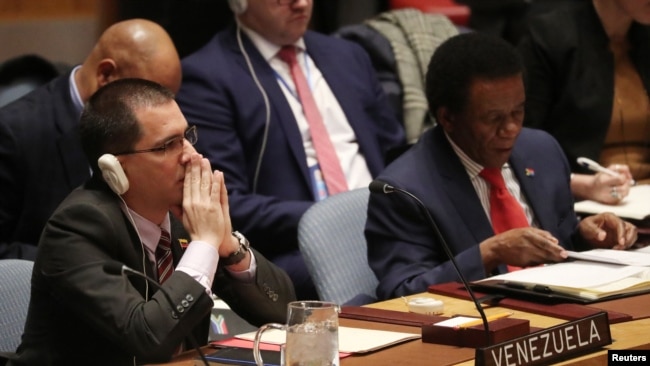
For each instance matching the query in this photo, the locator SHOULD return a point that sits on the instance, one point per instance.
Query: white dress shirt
(482, 187)
(199, 260)
(341, 133)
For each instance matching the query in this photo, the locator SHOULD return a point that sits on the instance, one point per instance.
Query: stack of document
(595, 275)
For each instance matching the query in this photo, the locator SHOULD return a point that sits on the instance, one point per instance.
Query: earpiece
(238, 6)
(267, 104)
(113, 173)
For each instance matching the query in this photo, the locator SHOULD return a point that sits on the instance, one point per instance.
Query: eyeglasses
(172, 146)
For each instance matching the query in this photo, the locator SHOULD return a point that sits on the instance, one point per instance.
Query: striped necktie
(164, 256)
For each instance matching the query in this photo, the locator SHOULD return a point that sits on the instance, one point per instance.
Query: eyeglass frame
(190, 135)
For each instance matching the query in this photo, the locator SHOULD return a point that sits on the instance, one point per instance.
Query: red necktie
(505, 211)
(164, 260)
(327, 159)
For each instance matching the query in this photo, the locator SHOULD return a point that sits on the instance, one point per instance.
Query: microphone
(117, 268)
(377, 186)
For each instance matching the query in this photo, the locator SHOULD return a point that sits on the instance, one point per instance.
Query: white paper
(351, 340)
(455, 321)
(577, 274)
(586, 279)
(635, 206)
(645, 249)
(624, 257)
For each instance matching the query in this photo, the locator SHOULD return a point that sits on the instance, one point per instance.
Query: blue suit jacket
(402, 249)
(41, 161)
(219, 95)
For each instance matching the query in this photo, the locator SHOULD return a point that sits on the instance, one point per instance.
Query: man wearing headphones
(140, 148)
(278, 108)
(41, 160)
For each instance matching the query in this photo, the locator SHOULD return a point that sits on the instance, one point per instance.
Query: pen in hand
(595, 167)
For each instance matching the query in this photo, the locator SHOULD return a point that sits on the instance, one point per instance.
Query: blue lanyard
(284, 82)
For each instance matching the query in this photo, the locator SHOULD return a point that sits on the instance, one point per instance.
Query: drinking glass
(312, 335)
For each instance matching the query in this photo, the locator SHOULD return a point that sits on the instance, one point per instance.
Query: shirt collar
(267, 49)
(74, 91)
(148, 232)
(473, 168)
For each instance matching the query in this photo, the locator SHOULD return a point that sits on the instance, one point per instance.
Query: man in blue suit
(41, 160)
(475, 91)
(243, 100)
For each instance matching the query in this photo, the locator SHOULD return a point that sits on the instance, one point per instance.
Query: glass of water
(312, 336)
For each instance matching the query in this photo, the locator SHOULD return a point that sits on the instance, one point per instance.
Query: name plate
(549, 345)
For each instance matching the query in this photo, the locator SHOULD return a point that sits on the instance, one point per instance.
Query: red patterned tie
(328, 160)
(505, 211)
(164, 256)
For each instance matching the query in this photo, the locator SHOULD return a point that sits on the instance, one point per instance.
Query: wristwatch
(238, 255)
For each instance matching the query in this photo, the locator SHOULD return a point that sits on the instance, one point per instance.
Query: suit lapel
(74, 162)
(324, 56)
(459, 188)
(281, 112)
(180, 239)
(524, 168)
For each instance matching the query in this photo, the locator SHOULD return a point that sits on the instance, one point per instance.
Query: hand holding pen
(610, 185)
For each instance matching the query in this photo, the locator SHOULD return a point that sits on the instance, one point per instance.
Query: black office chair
(22, 74)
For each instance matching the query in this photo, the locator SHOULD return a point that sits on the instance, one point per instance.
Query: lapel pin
(530, 172)
(183, 243)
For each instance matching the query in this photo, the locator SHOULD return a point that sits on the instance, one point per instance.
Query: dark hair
(460, 60)
(108, 122)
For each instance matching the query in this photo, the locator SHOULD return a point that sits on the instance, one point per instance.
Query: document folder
(579, 281)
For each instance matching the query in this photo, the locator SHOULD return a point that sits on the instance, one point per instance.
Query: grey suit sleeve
(262, 301)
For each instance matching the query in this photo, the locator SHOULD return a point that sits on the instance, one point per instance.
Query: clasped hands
(205, 211)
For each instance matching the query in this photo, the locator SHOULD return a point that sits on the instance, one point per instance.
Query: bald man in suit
(41, 160)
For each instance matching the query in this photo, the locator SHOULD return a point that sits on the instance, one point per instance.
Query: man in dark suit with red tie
(150, 195)
(498, 192)
(260, 111)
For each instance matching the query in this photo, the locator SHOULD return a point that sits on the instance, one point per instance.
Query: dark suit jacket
(41, 162)
(79, 315)
(403, 251)
(570, 77)
(219, 95)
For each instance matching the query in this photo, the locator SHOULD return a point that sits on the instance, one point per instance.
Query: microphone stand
(385, 188)
(120, 269)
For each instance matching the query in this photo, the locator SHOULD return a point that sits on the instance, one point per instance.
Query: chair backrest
(331, 239)
(22, 74)
(15, 289)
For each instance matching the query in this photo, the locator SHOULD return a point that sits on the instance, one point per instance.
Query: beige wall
(59, 30)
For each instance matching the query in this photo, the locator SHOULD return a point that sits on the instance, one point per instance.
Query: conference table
(630, 335)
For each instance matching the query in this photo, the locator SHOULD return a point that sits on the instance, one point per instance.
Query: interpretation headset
(267, 104)
(116, 179)
(238, 6)
(113, 173)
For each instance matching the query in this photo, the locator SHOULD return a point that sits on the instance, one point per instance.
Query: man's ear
(445, 118)
(106, 72)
